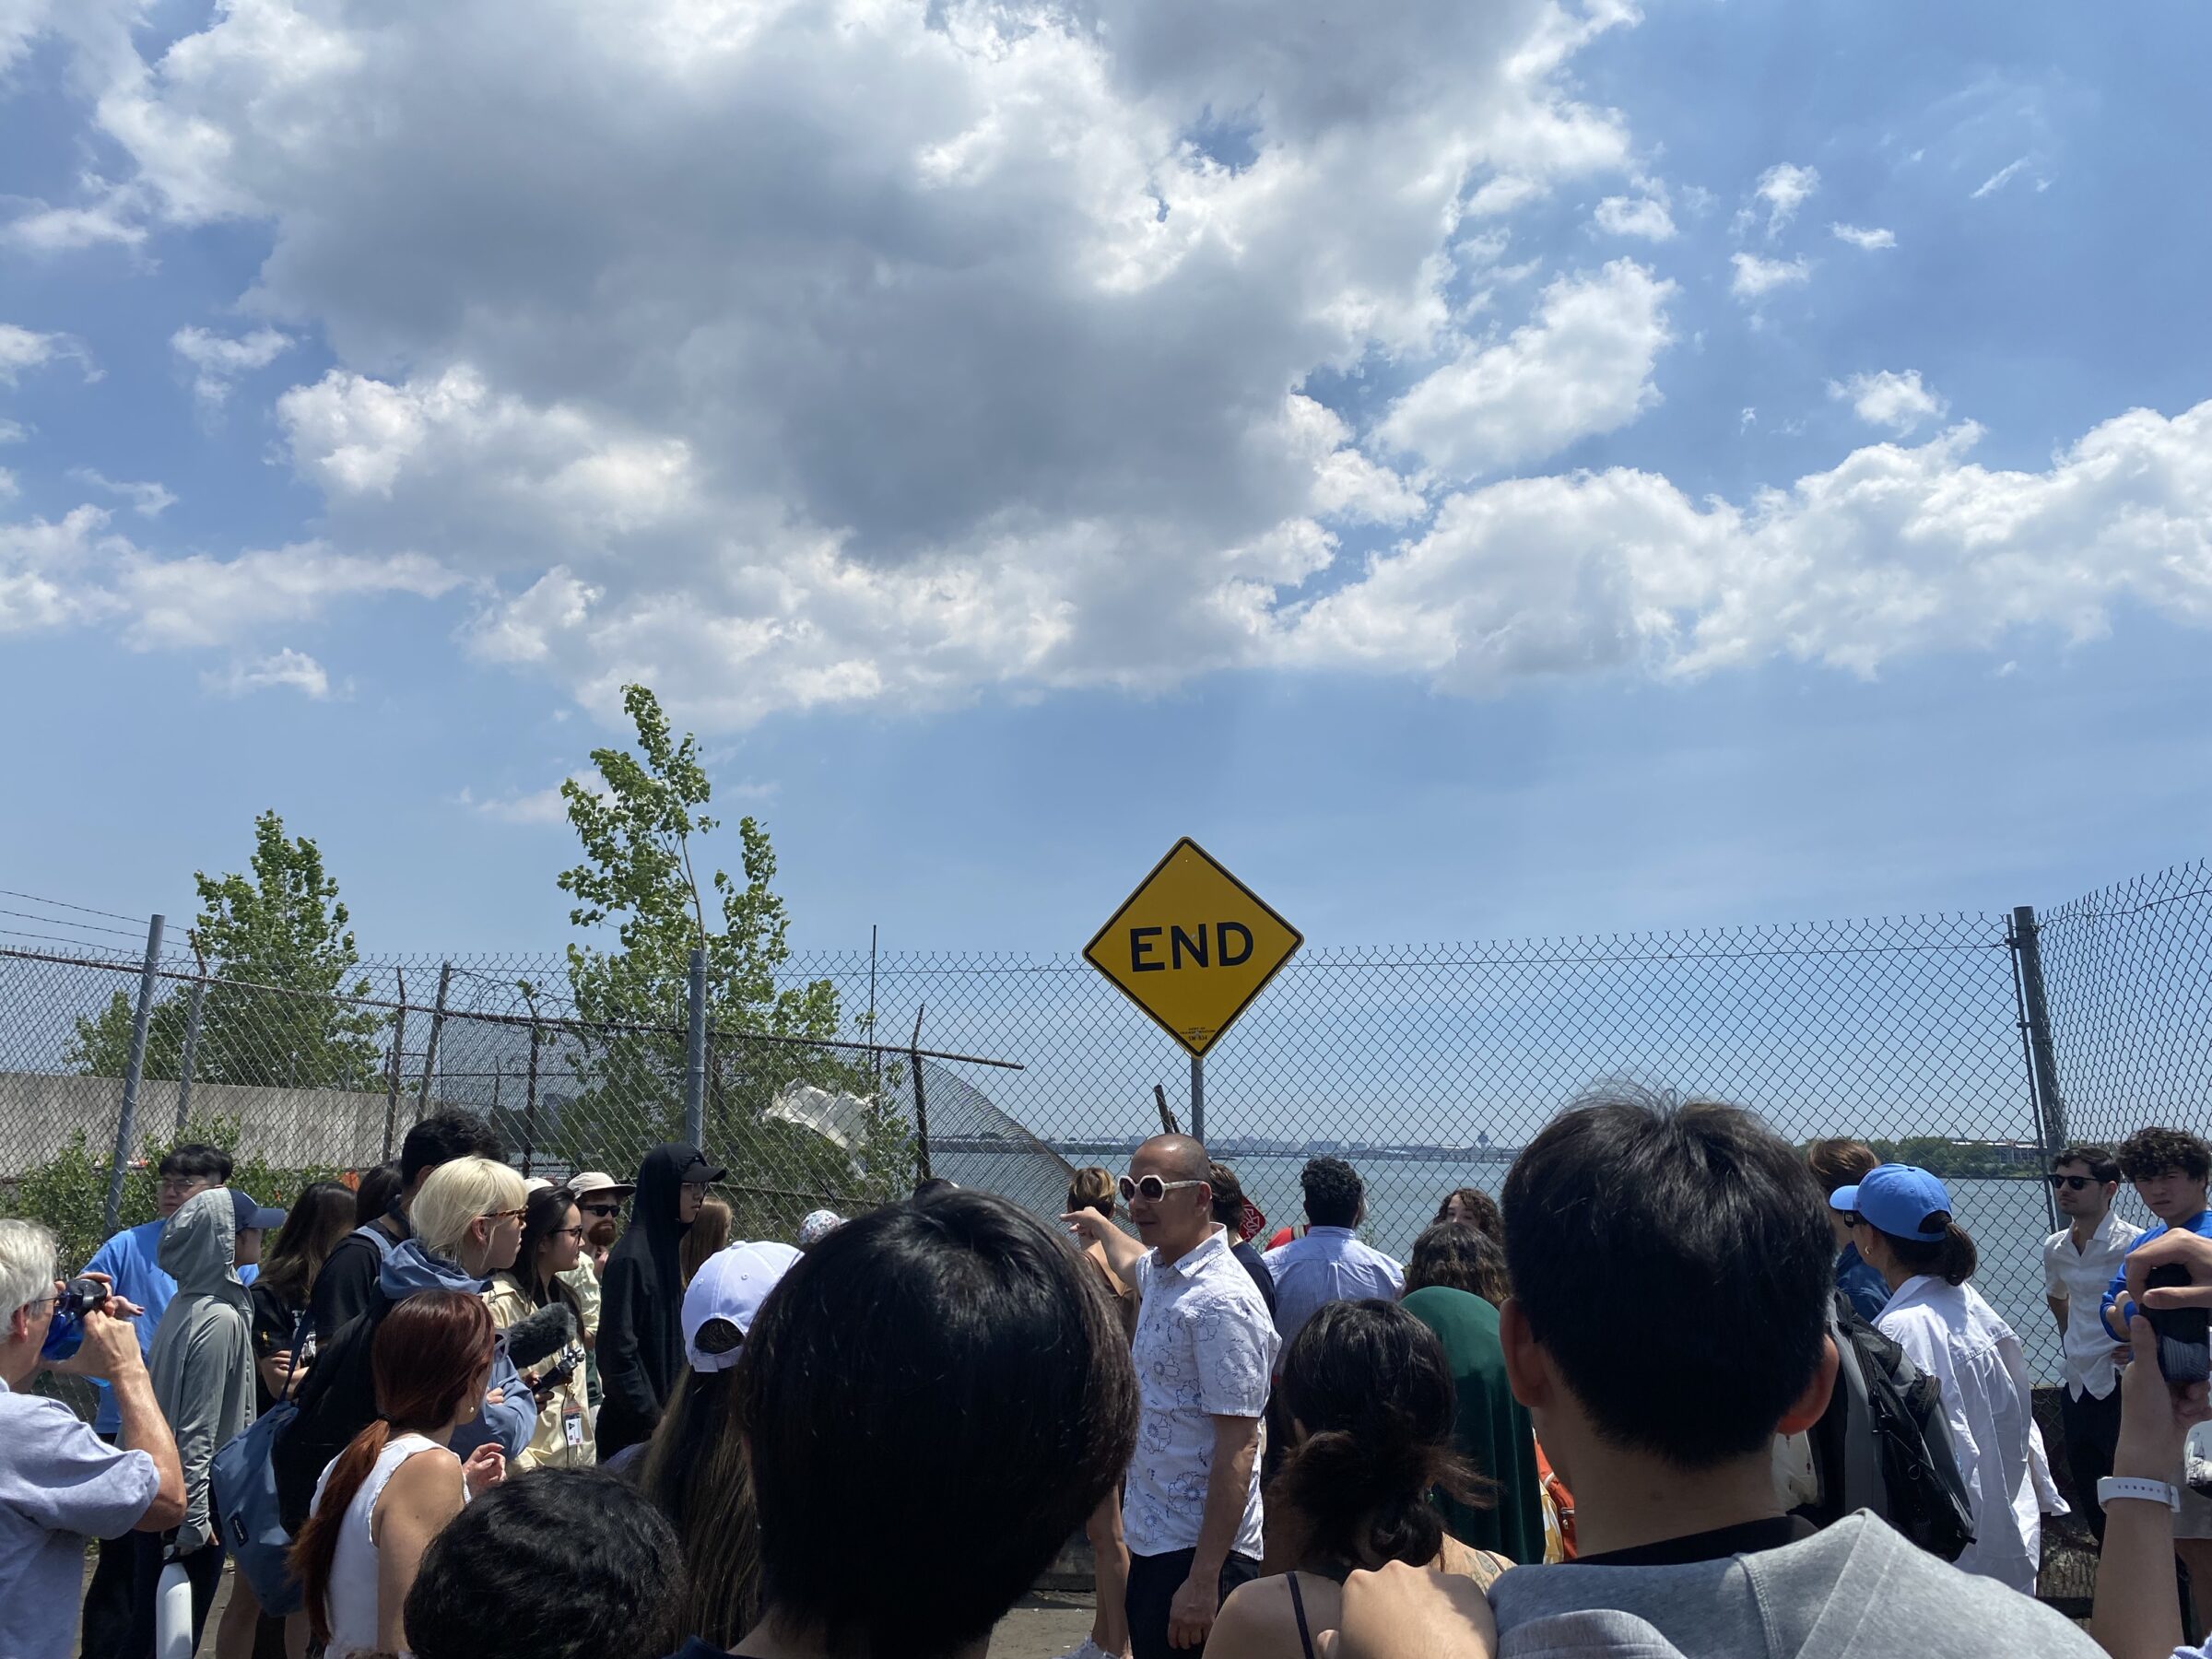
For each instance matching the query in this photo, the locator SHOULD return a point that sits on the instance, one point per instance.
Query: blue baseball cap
(1901, 1199)
(246, 1213)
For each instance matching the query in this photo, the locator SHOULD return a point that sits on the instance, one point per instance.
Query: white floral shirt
(1205, 1347)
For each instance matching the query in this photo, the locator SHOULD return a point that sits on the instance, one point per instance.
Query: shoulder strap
(1298, 1608)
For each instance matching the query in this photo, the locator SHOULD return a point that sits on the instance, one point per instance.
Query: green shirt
(1492, 1429)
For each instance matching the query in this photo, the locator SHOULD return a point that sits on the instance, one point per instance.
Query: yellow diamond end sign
(1193, 946)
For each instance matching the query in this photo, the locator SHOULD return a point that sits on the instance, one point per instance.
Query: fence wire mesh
(1428, 1066)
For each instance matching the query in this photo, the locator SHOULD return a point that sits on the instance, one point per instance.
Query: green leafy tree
(640, 877)
(283, 926)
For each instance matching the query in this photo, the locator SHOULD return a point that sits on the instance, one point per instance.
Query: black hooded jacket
(640, 1305)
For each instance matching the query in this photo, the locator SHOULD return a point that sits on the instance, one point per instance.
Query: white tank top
(353, 1571)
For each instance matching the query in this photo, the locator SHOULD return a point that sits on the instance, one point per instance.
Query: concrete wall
(290, 1128)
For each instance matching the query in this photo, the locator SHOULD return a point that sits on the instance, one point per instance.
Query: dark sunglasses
(2076, 1181)
(600, 1209)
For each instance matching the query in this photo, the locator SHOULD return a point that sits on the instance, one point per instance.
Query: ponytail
(1361, 1496)
(1368, 1384)
(1951, 1258)
(316, 1548)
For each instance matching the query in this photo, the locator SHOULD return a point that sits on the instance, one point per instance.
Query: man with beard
(642, 1345)
(599, 1200)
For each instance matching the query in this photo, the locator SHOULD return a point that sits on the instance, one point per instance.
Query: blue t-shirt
(1868, 1291)
(2201, 1225)
(131, 1259)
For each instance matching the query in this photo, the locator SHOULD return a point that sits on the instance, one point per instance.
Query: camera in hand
(78, 1298)
(2185, 1334)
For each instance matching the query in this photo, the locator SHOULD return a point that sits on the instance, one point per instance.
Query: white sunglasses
(1150, 1188)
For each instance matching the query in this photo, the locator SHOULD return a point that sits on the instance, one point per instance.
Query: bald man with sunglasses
(1205, 1349)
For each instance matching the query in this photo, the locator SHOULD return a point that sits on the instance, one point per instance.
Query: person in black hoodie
(640, 1331)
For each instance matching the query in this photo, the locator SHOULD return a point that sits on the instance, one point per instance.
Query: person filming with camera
(60, 1484)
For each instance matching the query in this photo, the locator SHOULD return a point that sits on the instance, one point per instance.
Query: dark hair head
(696, 1474)
(1228, 1198)
(430, 1354)
(443, 1137)
(319, 1217)
(1459, 1257)
(1478, 1209)
(2103, 1165)
(1334, 1192)
(545, 1212)
(968, 1344)
(1091, 1188)
(1367, 1384)
(931, 1187)
(196, 1160)
(379, 1187)
(1726, 1232)
(2159, 1151)
(1840, 1163)
(563, 1562)
(1951, 1258)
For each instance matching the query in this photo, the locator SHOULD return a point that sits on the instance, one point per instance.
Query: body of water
(2009, 1219)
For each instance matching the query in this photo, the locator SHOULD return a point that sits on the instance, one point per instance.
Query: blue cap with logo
(246, 1213)
(1899, 1199)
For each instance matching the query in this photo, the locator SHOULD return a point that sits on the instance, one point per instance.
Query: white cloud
(1644, 216)
(1756, 276)
(976, 367)
(199, 600)
(1998, 179)
(22, 349)
(1582, 366)
(1895, 551)
(1869, 240)
(219, 362)
(287, 668)
(1784, 188)
(1889, 399)
(147, 499)
(539, 806)
(12, 432)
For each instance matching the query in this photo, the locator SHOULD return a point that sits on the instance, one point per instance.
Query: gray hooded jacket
(201, 1361)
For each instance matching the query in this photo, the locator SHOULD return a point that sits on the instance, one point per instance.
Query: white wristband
(2147, 1492)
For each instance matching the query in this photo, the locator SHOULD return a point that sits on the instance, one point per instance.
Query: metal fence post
(126, 1120)
(192, 1049)
(530, 1098)
(914, 1059)
(399, 1047)
(430, 1055)
(2050, 1107)
(1198, 1097)
(695, 1049)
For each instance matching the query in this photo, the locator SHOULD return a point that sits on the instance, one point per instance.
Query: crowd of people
(1679, 1390)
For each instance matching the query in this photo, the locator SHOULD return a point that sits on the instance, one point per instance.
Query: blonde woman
(468, 1224)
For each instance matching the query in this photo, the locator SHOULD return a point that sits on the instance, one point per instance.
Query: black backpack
(1884, 1443)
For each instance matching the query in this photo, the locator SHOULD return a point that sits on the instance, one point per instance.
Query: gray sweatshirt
(201, 1361)
(1857, 1591)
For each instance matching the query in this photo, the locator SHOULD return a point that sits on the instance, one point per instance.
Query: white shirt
(1328, 1264)
(1204, 1348)
(1958, 1338)
(355, 1569)
(2079, 1279)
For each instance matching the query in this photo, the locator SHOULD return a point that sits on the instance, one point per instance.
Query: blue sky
(1518, 469)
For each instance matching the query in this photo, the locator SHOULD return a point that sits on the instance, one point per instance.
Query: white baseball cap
(731, 1285)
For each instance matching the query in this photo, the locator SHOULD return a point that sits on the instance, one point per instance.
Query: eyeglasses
(502, 1214)
(185, 1183)
(601, 1210)
(2075, 1181)
(1150, 1188)
(566, 1232)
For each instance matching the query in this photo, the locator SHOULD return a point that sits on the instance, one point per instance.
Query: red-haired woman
(386, 1496)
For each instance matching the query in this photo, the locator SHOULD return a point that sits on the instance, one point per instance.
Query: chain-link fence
(1968, 1042)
